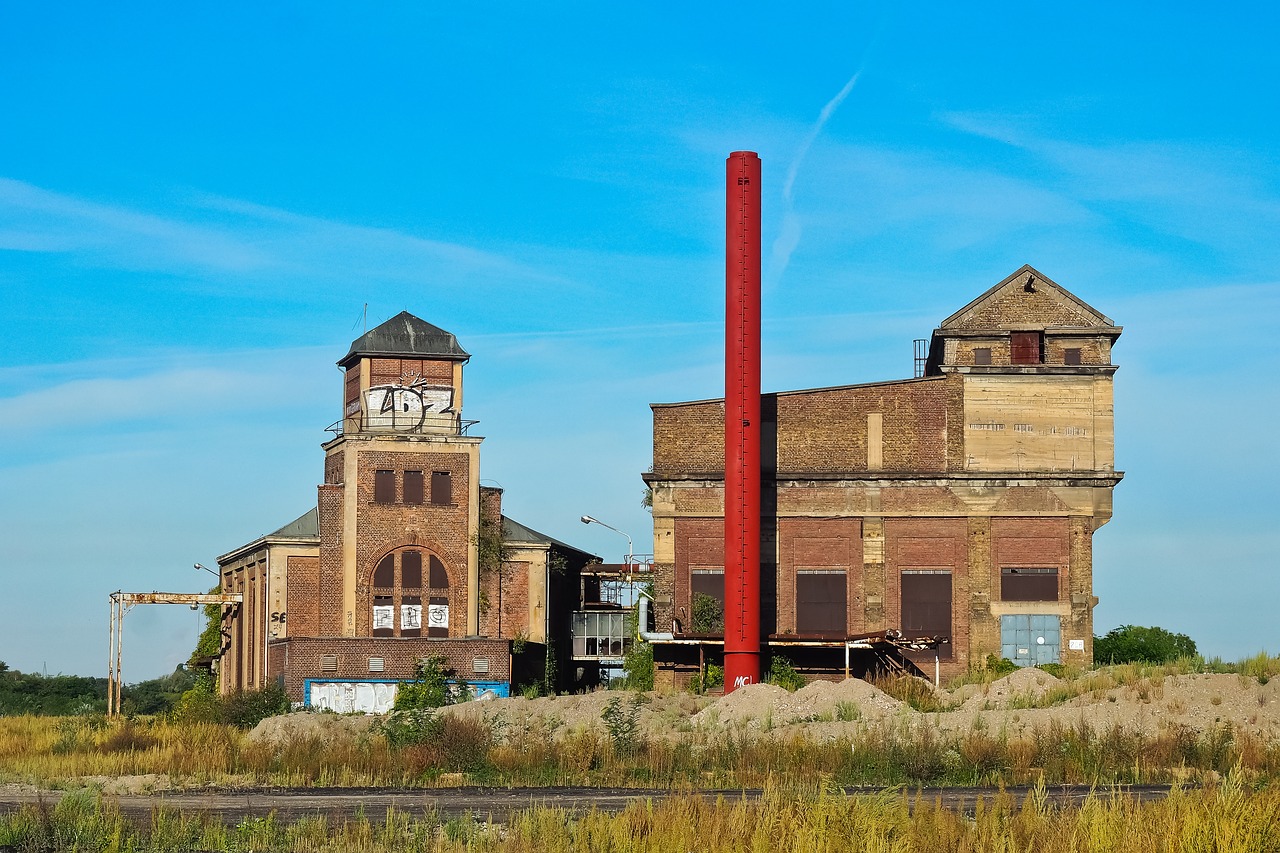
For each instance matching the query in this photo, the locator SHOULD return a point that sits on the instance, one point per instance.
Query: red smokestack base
(742, 421)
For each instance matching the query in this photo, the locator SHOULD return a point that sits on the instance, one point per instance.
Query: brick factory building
(406, 556)
(960, 504)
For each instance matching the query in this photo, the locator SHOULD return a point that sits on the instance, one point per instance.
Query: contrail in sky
(789, 234)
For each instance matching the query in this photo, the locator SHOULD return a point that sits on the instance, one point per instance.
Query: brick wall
(1014, 307)
(818, 543)
(442, 530)
(822, 431)
(303, 597)
(931, 544)
(1031, 542)
(699, 544)
(299, 658)
(330, 510)
(505, 612)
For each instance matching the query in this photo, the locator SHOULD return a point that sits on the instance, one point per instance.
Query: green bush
(622, 720)
(430, 687)
(1000, 666)
(202, 704)
(712, 678)
(1135, 644)
(638, 664)
(707, 614)
(248, 708)
(783, 674)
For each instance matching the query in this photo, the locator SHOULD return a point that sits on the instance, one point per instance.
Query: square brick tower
(400, 506)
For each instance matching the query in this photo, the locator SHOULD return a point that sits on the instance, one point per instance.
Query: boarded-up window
(438, 616)
(439, 579)
(1025, 347)
(821, 602)
(441, 488)
(411, 616)
(352, 384)
(1029, 584)
(384, 575)
(411, 569)
(982, 355)
(413, 487)
(926, 605)
(384, 487)
(1071, 355)
(384, 616)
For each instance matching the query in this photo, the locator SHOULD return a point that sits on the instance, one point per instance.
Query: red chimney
(742, 421)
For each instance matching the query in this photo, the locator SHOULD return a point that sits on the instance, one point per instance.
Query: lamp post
(586, 519)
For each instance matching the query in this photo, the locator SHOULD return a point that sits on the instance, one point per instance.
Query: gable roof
(406, 335)
(304, 526)
(517, 533)
(1027, 299)
(302, 531)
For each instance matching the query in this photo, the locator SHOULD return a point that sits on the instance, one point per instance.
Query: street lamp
(207, 569)
(586, 519)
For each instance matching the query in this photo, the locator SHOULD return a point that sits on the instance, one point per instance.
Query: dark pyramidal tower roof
(404, 335)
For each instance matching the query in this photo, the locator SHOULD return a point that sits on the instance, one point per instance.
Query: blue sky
(197, 202)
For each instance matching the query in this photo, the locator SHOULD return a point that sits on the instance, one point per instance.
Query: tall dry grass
(903, 751)
(1228, 818)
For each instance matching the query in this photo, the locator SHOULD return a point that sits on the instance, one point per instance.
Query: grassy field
(1226, 818)
(68, 751)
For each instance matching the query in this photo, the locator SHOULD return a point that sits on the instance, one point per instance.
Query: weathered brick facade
(387, 567)
(961, 499)
(300, 658)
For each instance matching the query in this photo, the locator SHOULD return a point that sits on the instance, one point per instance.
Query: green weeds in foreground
(1227, 818)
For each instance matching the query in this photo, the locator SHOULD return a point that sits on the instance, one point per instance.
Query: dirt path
(494, 804)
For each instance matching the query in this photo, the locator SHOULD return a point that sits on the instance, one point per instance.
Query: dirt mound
(847, 700)
(309, 725)
(753, 703)
(1027, 684)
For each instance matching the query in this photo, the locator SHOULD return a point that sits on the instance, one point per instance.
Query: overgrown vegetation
(1227, 818)
(58, 695)
(244, 709)
(783, 674)
(622, 722)
(706, 614)
(430, 687)
(1135, 644)
(712, 678)
(638, 665)
(212, 642)
(416, 749)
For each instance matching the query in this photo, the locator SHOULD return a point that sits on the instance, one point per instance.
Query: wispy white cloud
(790, 229)
(242, 242)
(1213, 195)
(69, 398)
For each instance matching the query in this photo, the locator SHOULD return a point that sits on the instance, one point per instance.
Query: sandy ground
(824, 709)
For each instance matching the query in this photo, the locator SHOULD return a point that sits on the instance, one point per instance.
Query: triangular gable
(1027, 299)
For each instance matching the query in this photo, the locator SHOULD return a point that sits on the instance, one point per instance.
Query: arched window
(398, 593)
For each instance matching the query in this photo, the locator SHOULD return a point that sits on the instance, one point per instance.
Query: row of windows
(822, 603)
(413, 490)
(1027, 348)
(399, 595)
